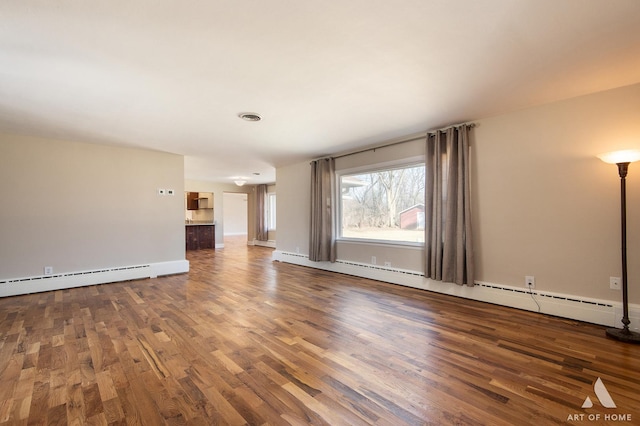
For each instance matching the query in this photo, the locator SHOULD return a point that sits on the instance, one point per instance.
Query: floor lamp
(622, 159)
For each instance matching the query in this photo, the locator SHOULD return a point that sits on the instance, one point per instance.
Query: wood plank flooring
(242, 340)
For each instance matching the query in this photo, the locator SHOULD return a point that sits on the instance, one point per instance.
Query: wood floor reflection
(244, 340)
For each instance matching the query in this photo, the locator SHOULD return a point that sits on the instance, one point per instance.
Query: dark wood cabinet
(200, 237)
(192, 201)
(206, 237)
(192, 237)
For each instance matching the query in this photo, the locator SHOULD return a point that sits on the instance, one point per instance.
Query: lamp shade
(625, 156)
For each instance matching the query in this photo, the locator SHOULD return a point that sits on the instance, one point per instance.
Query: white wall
(543, 204)
(78, 207)
(235, 213)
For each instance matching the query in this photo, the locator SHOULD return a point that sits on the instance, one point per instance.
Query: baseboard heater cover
(36, 284)
(603, 312)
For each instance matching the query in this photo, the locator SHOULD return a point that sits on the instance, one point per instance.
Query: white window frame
(406, 162)
(270, 211)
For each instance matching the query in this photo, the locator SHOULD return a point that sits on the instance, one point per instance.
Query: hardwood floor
(243, 340)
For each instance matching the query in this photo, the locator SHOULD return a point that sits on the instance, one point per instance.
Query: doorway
(235, 216)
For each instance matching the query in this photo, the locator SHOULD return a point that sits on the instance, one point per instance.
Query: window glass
(271, 212)
(383, 205)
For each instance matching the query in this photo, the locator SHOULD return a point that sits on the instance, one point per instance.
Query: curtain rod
(404, 139)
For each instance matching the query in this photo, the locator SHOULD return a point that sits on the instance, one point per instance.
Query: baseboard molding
(169, 268)
(269, 243)
(603, 312)
(36, 284)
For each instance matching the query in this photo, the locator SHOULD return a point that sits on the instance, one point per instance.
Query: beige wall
(543, 204)
(546, 206)
(77, 206)
(294, 182)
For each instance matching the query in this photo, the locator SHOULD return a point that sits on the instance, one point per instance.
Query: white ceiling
(327, 77)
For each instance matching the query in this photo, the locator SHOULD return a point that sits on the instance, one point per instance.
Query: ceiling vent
(250, 116)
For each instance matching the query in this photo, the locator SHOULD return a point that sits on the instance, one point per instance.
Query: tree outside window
(384, 205)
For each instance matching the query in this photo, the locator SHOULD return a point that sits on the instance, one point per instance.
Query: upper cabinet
(192, 201)
(199, 200)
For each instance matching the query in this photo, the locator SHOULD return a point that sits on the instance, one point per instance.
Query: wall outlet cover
(615, 283)
(530, 281)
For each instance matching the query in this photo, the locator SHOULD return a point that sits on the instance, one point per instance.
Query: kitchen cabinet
(192, 201)
(200, 237)
(199, 200)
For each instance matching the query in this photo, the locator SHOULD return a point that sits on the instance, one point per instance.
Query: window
(383, 205)
(271, 211)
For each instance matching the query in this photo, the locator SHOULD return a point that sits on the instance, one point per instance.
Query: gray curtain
(448, 240)
(262, 233)
(322, 237)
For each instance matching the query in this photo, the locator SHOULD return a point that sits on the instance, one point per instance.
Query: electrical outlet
(171, 192)
(162, 191)
(48, 270)
(614, 283)
(530, 281)
(373, 260)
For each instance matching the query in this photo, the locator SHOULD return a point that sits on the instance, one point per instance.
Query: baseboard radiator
(36, 284)
(603, 312)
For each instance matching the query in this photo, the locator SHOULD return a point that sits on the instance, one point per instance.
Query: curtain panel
(262, 233)
(448, 239)
(322, 237)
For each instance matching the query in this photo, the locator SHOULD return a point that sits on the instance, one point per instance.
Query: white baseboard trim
(36, 284)
(269, 243)
(603, 312)
(169, 268)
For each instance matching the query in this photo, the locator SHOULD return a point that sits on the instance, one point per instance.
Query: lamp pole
(622, 159)
(624, 334)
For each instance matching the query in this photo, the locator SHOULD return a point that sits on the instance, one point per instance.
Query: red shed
(413, 217)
